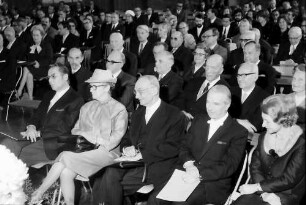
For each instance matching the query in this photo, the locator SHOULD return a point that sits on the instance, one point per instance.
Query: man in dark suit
(212, 150)
(199, 29)
(267, 74)
(20, 26)
(180, 13)
(116, 43)
(195, 93)
(154, 136)
(79, 73)
(64, 41)
(183, 57)
(139, 18)
(49, 29)
(171, 84)
(115, 26)
(151, 16)
(7, 72)
(55, 116)
(90, 39)
(16, 51)
(294, 50)
(142, 48)
(214, 21)
(236, 56)
(227, 30)
(124, 87)
(247, 98)
(210, 39)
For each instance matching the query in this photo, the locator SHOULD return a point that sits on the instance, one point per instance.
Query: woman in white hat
(103, 122)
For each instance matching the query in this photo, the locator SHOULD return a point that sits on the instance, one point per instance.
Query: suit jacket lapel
(59, 102)
(222, 129)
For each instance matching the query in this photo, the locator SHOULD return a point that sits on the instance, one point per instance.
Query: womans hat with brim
(101, 76)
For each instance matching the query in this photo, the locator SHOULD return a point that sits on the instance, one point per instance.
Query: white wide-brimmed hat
(101, 76)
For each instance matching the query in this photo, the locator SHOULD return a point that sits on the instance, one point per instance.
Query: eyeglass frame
(243, 75)
(199, 54)
(112, 61)
(94, 87)
(204, 37)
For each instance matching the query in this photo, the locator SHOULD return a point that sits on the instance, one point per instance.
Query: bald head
(75, 58)
(218, 101)
(247, 76)
(295, 35)
(9, 33)
(116, 41)
(247, 36)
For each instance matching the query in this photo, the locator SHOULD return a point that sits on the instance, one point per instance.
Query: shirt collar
(152, 108)
(62, 92)
(219, 121)
(115, 75)
(248, 92)
(76, 70)
(212, 83)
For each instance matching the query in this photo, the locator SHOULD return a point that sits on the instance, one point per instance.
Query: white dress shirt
(57, 96)
(214, 124)
(150, 110)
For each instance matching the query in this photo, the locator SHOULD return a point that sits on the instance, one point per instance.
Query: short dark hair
(61, 68)
(65, 24)
(199, 16)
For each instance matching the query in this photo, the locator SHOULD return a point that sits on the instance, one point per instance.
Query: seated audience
(41, 53)
(139, 18)
(130, 28)
(228, 30)
(266, 51)
(200, 27)
(171, 84)
(55, 116)
(116, 44)
(244, 26)
(280, 34)
(90, 38)
(212, 150)
(194, 97)
(7, 71)
(79, 73)
(189, 41)
(278, 163)
(267, 74)
(247, 98)
(182, 56)
(210, 41)
(142, 48)
(64, 41)
(298, 88)
(198, 67)
(236, 56)
(163, 33)
(154, 135)
(123, 91)
(158, 48)
(294, 50)
(102, 122)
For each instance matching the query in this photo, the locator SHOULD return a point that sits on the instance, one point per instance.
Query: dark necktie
(140, 48)
(206, 88)
(224, 32)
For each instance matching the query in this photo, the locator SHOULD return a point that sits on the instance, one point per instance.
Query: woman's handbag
(83, 145)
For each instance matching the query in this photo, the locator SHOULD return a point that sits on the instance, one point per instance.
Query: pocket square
(220, 142)
(60, 110)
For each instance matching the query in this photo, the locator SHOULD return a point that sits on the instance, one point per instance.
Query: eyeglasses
(244, 40)
(207, 36)
(294, 38)
(199, 54)
(243, 75)
(181, 27)
(94, 87)
(141, 91)
(174, 38)
(112, 61)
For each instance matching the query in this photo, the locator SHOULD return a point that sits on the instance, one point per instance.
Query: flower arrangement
(13, 174)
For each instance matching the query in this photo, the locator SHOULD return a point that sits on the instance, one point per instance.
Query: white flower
(13, 173)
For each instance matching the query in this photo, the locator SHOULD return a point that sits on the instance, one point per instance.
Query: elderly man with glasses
(124, 87)
(294, 50)
(247, 98)
(154, 135)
